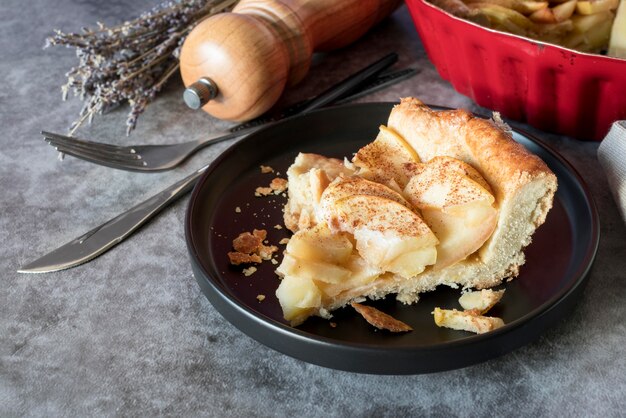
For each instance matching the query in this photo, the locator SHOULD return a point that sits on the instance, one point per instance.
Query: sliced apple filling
(456, 203)
(388, 235)
(308, 177)
(388, 222)
(358, 231)
(319, 265)
(389, 159)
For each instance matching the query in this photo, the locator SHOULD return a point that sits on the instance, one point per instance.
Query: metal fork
(149, 158)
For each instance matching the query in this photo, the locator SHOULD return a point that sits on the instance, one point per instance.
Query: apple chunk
(298, 298)
(457, 206)
(590, 7)
(617, 43)
(466, 321)
(481, 300)
(389, 157)
(317, 254)
(388, 235)
(351, 186)
(361, 274)
(318, 264)
(319, 244)
(312, 270)
(564, 11)
(308, 176)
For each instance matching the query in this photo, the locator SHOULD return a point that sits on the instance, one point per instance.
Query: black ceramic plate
(549, 284)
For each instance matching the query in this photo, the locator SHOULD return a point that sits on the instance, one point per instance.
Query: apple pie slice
(438, 198)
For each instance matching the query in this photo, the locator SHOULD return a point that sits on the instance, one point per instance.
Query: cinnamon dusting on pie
(439, 197)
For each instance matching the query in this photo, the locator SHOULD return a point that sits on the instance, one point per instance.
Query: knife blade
(104, 237)
(100, 239)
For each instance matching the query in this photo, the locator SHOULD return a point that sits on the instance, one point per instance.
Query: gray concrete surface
(131, 334)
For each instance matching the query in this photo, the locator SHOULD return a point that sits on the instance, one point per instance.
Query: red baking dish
(549, 87)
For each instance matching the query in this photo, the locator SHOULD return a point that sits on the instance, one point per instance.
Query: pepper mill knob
(253, 53)
(199, 93)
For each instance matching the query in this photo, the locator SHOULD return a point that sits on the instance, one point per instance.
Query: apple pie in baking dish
(438, 198)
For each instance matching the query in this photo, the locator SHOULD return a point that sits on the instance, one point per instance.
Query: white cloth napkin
(612, 157)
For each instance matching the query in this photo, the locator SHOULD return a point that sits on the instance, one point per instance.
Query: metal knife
(102, 238)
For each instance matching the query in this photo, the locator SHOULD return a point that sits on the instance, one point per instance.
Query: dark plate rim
(581, 273)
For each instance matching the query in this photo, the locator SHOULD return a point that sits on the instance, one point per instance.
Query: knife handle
(236, 65)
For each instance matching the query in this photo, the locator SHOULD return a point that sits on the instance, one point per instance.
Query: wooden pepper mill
(236, 65)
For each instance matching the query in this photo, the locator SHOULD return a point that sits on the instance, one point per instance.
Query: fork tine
(63, 139)
(99, 158)
(78, 146)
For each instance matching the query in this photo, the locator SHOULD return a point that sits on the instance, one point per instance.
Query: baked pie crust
(439, 198)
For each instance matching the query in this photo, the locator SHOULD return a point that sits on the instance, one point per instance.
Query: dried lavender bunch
(132, 61)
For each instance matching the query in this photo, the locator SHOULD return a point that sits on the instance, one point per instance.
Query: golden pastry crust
(523, 188)
(522, 184)
(484, 144)
(309, 176)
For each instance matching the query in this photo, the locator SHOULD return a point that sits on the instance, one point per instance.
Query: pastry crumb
(266, 251)
(249, 271)
(480, 301)
(263, 191)
(260, 298)
(470, 320)
(333, 324)
(250, 248)
(238, 209)
(260, 233)
(266, 169)
(380, 319)
(247, 243)
(237, 258)
(278, 185)
(274, 261)
(284, 241)
(278, 226)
